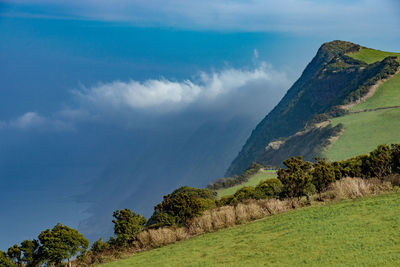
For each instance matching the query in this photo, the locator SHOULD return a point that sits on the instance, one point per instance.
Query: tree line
(298, 179)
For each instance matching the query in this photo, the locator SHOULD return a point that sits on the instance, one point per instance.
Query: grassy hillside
(364, 131)
(370, 56)
(334, 77)
(349, 233)
(387, 95)
(253, 181)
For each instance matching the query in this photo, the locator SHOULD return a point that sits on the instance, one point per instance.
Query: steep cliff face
(332, 78)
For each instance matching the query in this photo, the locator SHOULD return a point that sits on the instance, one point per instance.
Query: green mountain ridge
(339, 74)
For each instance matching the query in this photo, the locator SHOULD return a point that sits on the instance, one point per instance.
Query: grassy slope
(387, 95)
(350, 233)
(364, 131)
(253, 181)
(369, 55)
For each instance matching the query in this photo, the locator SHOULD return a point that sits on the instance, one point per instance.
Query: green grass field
(362, 232)
(369, 55)
(253, 181)
(364, 131)
(387, 95)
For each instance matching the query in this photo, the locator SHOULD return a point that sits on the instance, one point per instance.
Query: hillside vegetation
(253, 181)
(351, 233)
(378, 120)
(370, 56)
(339, 74)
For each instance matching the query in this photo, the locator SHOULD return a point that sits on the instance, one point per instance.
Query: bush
(296, 177)
(380, 161)
(271, 188)
(323, 174)
(181, 205)
(127, 225)
(99, 246)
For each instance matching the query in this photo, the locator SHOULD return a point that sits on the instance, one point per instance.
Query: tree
(296, 177)
(5, 260)
(61, 243)
(31, 253)
(395, 154)
(127, 225)
(323, 174)
(380, 161)
(14, 253)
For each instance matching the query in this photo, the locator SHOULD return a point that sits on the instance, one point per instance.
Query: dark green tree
(296, 177)
(5, 260)
(14, 253)
(380, 161)
(395, 154)
(61, 243)
(323, 174)
(31, 253)
(127, 225)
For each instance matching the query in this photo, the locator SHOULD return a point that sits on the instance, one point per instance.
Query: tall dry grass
(249, 210)
(350, 188)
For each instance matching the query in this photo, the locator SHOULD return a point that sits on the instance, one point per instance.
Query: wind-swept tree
(61, 243)
(323, 174)
(296, 177)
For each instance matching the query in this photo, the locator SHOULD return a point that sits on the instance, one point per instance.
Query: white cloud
(220, 92)
(32, 120)
(166, 94)
(28, 120)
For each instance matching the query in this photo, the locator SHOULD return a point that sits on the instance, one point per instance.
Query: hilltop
(305, 122)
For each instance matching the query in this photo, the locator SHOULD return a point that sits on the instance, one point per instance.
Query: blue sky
(111, 104)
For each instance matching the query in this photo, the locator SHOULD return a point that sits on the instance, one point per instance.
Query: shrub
(380, 161)
(296, 177)
(180, 206)
(247, 192)
(395, 155)
(271, 188)
(323, 174)
(99, 246)
(127, 225)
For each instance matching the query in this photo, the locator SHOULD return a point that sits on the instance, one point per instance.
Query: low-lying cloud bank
(226, 89)
(167, 94)
(125, 144)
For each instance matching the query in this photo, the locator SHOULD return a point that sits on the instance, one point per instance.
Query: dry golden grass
(249, 210)
(350, 188)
